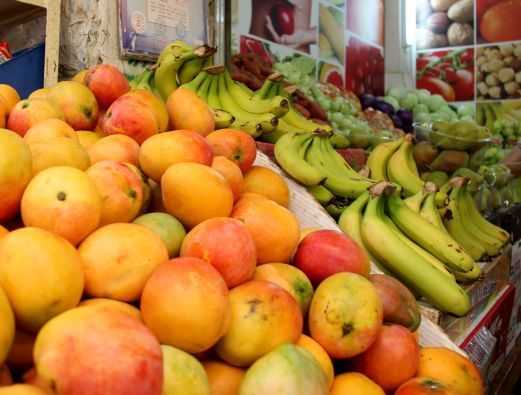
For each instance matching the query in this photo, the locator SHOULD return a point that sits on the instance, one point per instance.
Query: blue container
(25, 70)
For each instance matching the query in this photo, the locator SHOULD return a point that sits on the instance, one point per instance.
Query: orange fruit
(266, 182)
(224, 379)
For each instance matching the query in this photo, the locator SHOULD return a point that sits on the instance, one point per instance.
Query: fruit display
(499, 72)
(443, 23)
(503, 119)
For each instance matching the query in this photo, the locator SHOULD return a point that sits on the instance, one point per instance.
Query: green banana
(469, 277)
(410, 267)
(438, 243)
(321, 194)
(454, 225)
(204, 89)
(290, 152)
(263, 92)
(165, 75)
(196, 83)
(399, 169)
(429, 211)
(191, 68)
(379, 157)
(252, 128)
(297, 120)
(281, 129)
(173, 49)
(214, 98)
(223, 119)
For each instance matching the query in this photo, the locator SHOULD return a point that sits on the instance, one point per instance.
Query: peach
(187, 188)
(275, 229)
(63, 200)
(226, 244)
(183, 374)
(59, 151)
(112, 353)
(107, 83)
(87, 138)
(165, 149)
(77, 102)
(355, 384)
(224, 379)
(325, 252)
(185, 303)
(346, 315)
(21, 353)
(266, 182)
(122, 307)
(49, 129)
(320, 355)
(27, 113)
(263, 316)
(118, 147)
(50, 272)
(15, 172)
(188, 111)
(155, 104)
(167, 227)
(231, 172)
(120, 189)
(7, 327)
(21, 389)
(129, 116)
(235, 145)
(9, 97)
(118, 259)
(289, 278)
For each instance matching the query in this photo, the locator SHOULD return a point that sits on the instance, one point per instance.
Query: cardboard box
(492, 323)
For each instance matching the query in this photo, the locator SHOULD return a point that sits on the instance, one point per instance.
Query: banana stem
(382, 188)
(214, 70)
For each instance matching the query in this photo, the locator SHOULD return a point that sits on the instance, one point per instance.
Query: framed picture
(147, 26)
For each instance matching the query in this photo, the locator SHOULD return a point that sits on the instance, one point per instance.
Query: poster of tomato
(449, 73)
(498, 20)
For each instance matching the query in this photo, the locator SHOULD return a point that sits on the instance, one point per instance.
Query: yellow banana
(379, 157)
(399, 169)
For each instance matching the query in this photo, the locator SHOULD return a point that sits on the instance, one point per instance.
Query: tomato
(450, 74)
(467, 57)
(501, 22)
(283, 18)
(422, 62)
(432, 73)
(423, 386)
(436, 86)
(464, 85)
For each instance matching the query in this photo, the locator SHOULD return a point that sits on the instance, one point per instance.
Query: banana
(173, 49)
(321, 194)
(281, 129)
(263, 92)
(410, 267)
(191, 68)
(214, 98)
(290, 152)
(223, 119)
(337, 181)
(278, 105)
(438, 243)
(469, 277)
(165, 75)
(253, 128)
(454, 224)
(379, 157)
(429, 211)
(297, 120)
(399, 169)
(204, 89)
(196, 83)
(415, 201)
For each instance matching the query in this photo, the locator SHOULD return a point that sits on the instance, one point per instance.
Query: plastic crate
(25, 70)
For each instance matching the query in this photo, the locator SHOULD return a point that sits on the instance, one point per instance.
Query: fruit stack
(136, 260)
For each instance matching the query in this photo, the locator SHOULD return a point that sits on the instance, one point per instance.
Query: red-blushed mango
(263, 316)
(50, 271)
(235, 145)
(7, 328)
(87, 138)
(227, 245)
(107, 83)
(266, 182)
(424, 386)
(49, 129)
(5, 376)
(189, 111)
(118, 259)
(15, 172)
(117, 147)
(353, 383)
(394, 346)
(121, 191)
(167, 227)
(63, 200)
(453, 370)
(129, 116)
(183, 374)
(155, 104)
(59, 151)
(27, 113)
(288, 369)
(20, 355)
(3, 231)
(112, 353)
(346, 315)
(289, 278)
(231, 172)
(320, 356)
(77, 102)
(8, 96)
(122, 307)
(275, 229)
(42, 93)
(185, 304)
(3, 115)
(194, 193)
(21, 389)
(147, 192)
(326, 252)
(161, 151)
(223, 378)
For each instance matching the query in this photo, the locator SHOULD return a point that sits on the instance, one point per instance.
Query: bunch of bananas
(309, 158)
(501, 118)
(394, 161)
(177, 64)
(411, 239)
